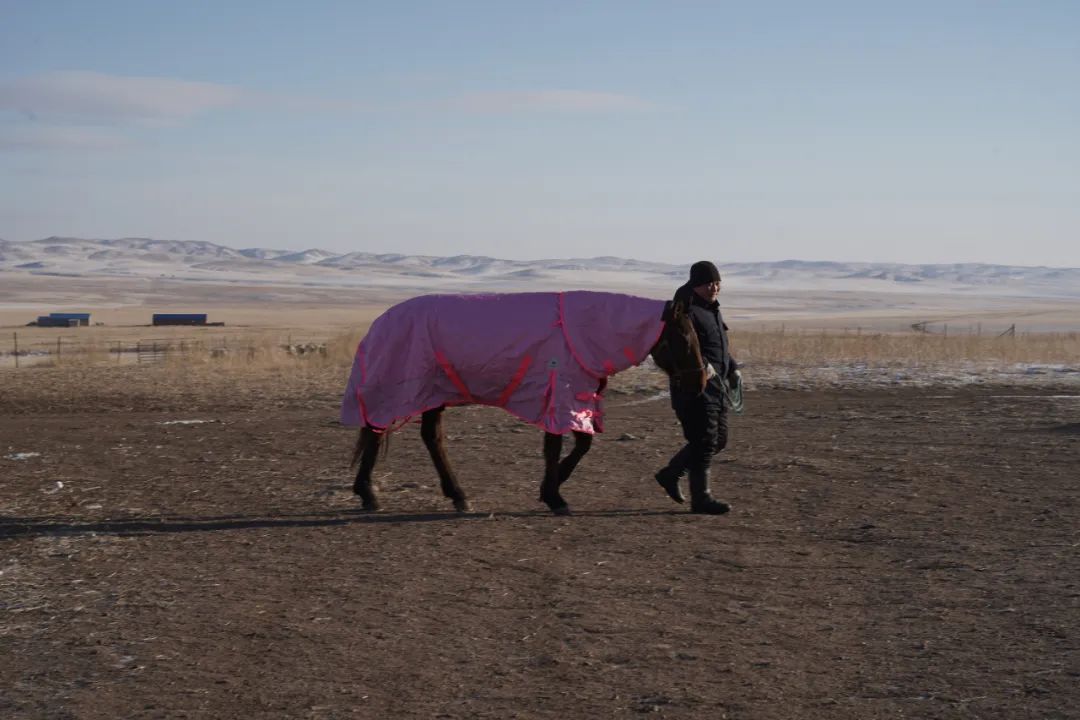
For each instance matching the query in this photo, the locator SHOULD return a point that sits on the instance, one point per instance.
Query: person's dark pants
(704, 422)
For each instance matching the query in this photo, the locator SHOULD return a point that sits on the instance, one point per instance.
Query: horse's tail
(383, 446)
(358, 451)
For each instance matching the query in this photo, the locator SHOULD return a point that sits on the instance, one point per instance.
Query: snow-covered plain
(122, 280)
(207, 262)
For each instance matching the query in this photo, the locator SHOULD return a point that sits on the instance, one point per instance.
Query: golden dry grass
(885, 350)
(258, 349)
(248, 349)
(258, 372)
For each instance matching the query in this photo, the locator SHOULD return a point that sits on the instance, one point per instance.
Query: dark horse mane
(676, 352)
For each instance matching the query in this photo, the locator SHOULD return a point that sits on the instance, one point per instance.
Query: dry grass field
(180, 541)
(904, 349)
(801, 328)
(251, 349)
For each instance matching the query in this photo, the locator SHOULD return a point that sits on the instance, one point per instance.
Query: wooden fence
(23, 352)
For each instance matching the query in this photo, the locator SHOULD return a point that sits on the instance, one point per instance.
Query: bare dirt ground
(905, 552)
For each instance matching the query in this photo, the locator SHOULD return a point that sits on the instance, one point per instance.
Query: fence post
(16, 350)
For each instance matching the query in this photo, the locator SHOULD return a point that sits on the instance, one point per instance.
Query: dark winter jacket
(712, 335)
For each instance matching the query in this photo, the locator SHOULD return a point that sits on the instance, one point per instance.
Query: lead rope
(733, 394)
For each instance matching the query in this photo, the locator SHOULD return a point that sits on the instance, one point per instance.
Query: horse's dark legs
(582, 443)
(549, 488)
(431, 431)
(368, 452)
(556, 472)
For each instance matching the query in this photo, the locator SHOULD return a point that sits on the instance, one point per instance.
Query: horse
(543, 357)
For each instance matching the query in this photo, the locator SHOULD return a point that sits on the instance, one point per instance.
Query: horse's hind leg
(367, 451)
(549, 488)
(582, 443)
(431, 430)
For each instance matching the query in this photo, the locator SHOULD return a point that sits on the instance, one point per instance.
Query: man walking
(703, 415)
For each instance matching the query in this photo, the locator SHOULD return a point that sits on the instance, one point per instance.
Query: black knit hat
(703, 272)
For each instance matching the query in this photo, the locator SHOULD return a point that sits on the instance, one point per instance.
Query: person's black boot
(668, 479)
(701, 501)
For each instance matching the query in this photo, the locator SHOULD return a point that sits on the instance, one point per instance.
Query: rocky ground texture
(186, 545)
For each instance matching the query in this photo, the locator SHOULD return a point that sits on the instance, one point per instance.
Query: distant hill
(204, 261)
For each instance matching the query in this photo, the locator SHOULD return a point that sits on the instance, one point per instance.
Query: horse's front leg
(549, 488)
(582, 443)
(367, 452)
(431, 430)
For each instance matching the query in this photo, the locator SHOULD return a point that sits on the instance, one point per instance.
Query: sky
(920, 132)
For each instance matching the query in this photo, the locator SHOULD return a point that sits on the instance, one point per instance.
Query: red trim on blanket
(515, 381)
(629, 353)
(398, 424)
(570, 345)
(454, 377)
(359, 396)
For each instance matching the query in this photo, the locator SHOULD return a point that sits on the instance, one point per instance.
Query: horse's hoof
(555, 502)
(372, 506)
(462, 505)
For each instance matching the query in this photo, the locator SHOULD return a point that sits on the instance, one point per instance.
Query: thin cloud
(564, 101)
(85, 94)
(61, 138)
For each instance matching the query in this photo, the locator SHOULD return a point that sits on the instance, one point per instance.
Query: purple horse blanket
(543, 357)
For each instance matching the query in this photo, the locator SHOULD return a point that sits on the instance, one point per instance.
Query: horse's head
(677, 352)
